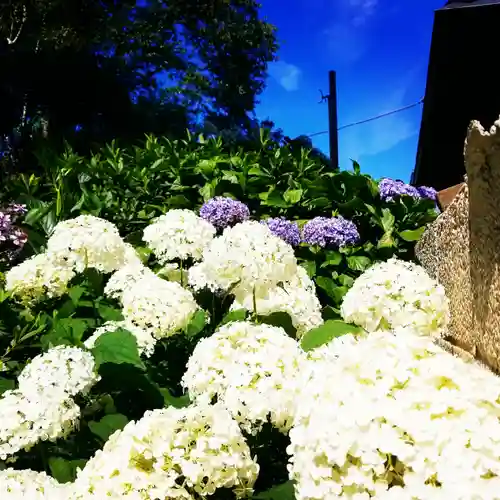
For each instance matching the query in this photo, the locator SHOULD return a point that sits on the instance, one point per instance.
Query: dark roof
(458, 4)
(461, 86)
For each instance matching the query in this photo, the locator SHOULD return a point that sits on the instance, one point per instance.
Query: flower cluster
(251, 369)
(179, 234)
(413, 422)
(330, 232)
(391, 189)
(41, 276)
(145, 341)
(247, 258)
(296, 297)
(285, 229)
(88, 242)
(161, 308)
(397, 294)
(42, 408)
(12, 239)
(61, 370)
(224, 212)
(126, 278)
(30, 485)
(172, 453)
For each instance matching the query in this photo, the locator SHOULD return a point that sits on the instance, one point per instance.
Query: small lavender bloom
(330, 232)
(284, 229)
(390, 189)
(223, 212)
(16, 210)
(428, 193)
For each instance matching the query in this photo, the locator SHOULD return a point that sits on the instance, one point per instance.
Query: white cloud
(286, 74)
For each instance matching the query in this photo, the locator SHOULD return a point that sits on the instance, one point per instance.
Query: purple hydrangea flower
(284, 229)
(428, 193)
(391, 189)
(223, 212)
(12, 239)
(330, 232)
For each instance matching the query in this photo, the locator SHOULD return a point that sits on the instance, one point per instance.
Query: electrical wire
(377, 117)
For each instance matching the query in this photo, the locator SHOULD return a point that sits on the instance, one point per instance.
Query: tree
(110, 68)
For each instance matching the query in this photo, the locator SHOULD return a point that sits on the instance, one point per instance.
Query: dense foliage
(90, 71)
(132, 186)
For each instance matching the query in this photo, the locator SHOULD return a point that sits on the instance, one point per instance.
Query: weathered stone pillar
(482, 162)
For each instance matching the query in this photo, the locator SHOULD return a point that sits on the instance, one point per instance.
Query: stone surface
(461, 249)
(482, 163)
(443, 251)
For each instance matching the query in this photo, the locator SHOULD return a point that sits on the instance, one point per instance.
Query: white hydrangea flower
(171, 453)
(179, 234)
(247, 258)
(145, 341)
(62, 370)
(396, 294)
(29, 418)
(296, 297)
(30, 485)
(125, 278)
(39, 277)
(404, 411)
(89, 242)
(251, 369)
(160, 307)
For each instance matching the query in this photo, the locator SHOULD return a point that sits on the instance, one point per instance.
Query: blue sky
(380, 50)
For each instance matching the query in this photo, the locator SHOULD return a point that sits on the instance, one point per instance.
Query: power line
(377, 117)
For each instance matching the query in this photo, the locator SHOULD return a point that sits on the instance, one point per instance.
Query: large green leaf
(108, 425)
(6, 384)
(64, 470)
(197, 323)
(358, 262)
(118, 347)
(236, 315)
(325, 333)
(283, 491)
(292, 195)
(175, 401)
(387, 220)
(412, 235)
(280, 319)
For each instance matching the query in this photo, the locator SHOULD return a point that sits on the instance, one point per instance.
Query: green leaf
(358, 262)
(108, 425)
(176, 402)
(330, 330)
(292, 195)
(236, 315)
(387, 240)
(197, 323)
(6, 384)
(283, 491)
(144, 253)
(274, 199)
(118, 347)
(412, 235)
(75, 293)
(355, 167)
(345, 280)
(387, 220)
(108, 313)
(66, 331)
(310, 267)
(332, 258)
(64, 470)
(280, 319)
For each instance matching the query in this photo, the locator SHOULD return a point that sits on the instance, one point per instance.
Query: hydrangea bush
(230, 379)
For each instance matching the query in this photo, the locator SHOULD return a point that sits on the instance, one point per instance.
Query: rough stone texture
(443, 251)
(461, 249)
(482, 162)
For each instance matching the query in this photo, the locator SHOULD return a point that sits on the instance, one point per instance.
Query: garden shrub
(283, 185)
(117, 382)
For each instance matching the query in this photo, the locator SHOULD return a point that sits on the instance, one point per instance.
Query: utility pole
(332, 119)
